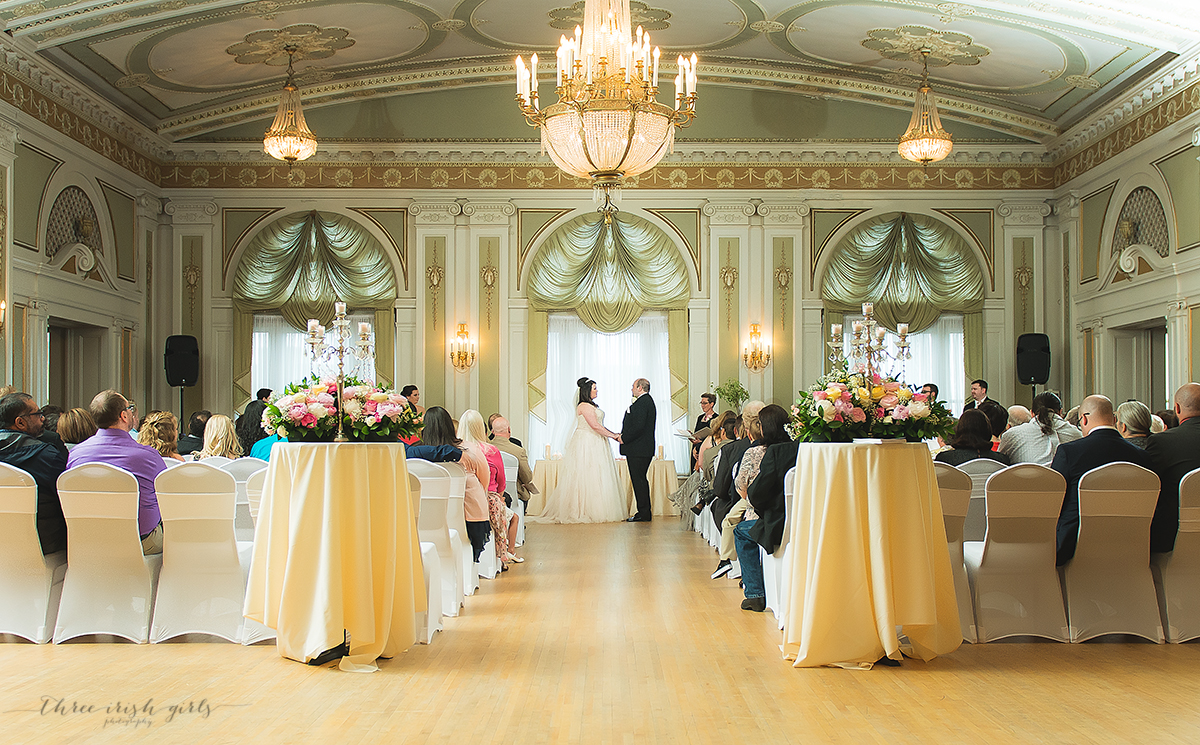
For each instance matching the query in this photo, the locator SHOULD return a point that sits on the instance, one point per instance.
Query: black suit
(637, 445)
(726, 494)
(971, 404)
(1173, 453)
(766, 494)
(45, 463)
(190, 444)
(1073, 460)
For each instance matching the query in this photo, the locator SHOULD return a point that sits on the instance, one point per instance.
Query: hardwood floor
(607, 633)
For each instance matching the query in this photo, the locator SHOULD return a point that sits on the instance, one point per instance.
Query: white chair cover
(242, 469)
(1177, 573)
(109, 587)
(254, 490)
(511, 469)
(429, 621)
(456, 517)
(434, 528)
(1012, 574)
(980, 470)
(201, 588)
(775, 565)
(488, 565)
(1107, 584)
(955, 488)
(30, 584)
(216, 461)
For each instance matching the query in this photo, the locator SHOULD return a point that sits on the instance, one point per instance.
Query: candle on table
(547, 452)
(660, 452)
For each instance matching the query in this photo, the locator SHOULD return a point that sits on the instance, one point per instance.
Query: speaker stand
(181, 417)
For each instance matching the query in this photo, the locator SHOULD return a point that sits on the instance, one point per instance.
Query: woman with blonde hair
(220, 438)
(504, 521)
(160, 430)
(75, 426)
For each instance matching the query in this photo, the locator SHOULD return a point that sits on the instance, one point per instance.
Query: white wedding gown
(588, 490)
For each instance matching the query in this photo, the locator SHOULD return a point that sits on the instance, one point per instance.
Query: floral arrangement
(376, 414)
(842, 406)
(306, 411)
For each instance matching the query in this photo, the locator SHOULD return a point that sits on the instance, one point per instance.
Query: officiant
(708, 404)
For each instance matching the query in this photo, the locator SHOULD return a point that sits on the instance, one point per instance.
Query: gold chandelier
(607, 124)
(925, 141)
(289, 137)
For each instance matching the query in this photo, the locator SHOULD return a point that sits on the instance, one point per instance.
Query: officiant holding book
(708, 404)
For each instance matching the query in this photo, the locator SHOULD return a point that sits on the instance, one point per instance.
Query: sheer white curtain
(937, 357)
(614, 361)
(280, 354)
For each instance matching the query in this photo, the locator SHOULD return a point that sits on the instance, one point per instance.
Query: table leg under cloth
(337, 549)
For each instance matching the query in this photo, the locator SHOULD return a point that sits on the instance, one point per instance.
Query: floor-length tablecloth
(663, 482)
(868, 554)
(336, 547)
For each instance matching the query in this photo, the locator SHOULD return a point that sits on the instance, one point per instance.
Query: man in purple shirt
(112, 445)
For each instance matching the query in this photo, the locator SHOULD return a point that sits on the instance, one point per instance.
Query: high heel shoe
(513, 558)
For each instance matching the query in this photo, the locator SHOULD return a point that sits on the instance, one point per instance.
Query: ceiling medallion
(925, 141)
(449, 24)
(607, 124)
(1083, 81)
(767, 27)
(640, 14)
(305, 40)
(910, 43)
(289, 138)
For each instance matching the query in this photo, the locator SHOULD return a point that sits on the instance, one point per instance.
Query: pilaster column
(434, 228)
(1178, 330)
(8, 155)
(728, 232)
(1023, 228)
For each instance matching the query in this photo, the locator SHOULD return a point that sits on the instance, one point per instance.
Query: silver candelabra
(343, 346)
(869, 346)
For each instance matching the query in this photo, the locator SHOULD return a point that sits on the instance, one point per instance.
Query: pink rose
(819, 395)
(308, 420)
(891, 387)
(879, 413)
(900, 412)
(858, 414)
(889, 400)
(297, 412)
(919, 397)
(875, 379)
(842, 406)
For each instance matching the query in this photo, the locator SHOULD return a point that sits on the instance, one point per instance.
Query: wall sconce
(3, 314)
(462, 351)
(755, 358)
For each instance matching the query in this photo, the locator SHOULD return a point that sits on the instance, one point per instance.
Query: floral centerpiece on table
(305, 412)
(375, 414)
(842, 406)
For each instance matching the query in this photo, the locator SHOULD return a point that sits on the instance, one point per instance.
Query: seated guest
(766, 496)
(220, 438)
(20, 425)
(439, 431)
(1017, 415)
(1073, 417)
(972, 439)
(997, 418)
(49, 435)
(1173, 454)
(723, 431)
(262, 448)
(502, 438)
(160, 431)
(249, 425)
(75, 426)
(1036, 441)
(264, 395)
(1157, 424)
(136, 419)
(979, 394)
(770, 428)
(413, 396)
(112, 445)
(1169, 418)
(492, 432)
(194, 439)
(725, 489)
(708, 403)
(1101, 444)
(1133, 422)
(504, 521)
(931, 390)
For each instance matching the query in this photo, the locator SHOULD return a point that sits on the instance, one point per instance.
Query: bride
(588, 490)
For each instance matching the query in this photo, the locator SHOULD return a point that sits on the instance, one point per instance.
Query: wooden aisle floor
(606, 634)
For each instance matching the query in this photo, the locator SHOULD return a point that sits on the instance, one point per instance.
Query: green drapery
(301, 264)
(913, 268)
(608, 273)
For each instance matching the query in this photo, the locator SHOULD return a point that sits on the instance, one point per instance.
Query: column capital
(783, 213)
(729, 213)
(192, 212)
(435, 213)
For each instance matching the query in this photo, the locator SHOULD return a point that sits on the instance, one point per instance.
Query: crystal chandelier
(607, 124)
(925, 141)
(289, 138)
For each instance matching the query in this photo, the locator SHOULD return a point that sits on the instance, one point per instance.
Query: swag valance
(913, 268)
(302, 264)
(608, 273)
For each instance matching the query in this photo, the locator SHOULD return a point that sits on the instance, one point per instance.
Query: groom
(637, 445)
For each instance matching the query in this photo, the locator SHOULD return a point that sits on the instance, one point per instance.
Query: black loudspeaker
(181, 360)
(1033, 359)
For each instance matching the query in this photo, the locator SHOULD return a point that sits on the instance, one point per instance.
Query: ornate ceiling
(209, 71)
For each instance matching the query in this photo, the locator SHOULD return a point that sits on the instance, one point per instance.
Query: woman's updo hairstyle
(585, 390)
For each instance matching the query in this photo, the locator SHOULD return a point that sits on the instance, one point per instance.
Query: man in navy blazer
(637, 445)
(1174, 453)
(1101, 444)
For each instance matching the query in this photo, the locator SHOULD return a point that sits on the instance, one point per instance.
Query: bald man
(1174, 453)
(503, 439)
(1101, 444)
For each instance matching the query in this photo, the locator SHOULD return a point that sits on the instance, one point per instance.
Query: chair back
(216, 461)
(1189, 509)
(414, 491)
(789, 491)
(435, 493)
(25, 583)
(954, 487)
(511, 467)
(242, 468)
(980, 469)
(1025, 490)
(98, 491)
(184, 493)
(1116, 503)
(254, 491)
(457, 516)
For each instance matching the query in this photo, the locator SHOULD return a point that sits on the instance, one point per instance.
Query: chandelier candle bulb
(858, 327)
(312, 325)
(880, 333)
(868, 309)
(364, 328)
(339, 308)
(533, 81)
(902, 329)
(835, 331)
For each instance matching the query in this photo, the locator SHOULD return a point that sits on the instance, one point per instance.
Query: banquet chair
(110, 585)
(774, 564)
(216, 461)
(955, 488)
(1177, 573)
(30, 583)
(434, 528)
(980, 470)
(429, 621)
(171, 462)
(1107, 584)
(201, 588)
(242, 469)
(511, 468)
(254, 492)
(457, 519)
(1011, 572)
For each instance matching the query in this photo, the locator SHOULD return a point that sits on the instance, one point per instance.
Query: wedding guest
(767, 497)
(1073, 417)
(1157, 424)
(972, 439)
(504, 521)
(708, 402)
(51, 413)
(1017, 415)
(1037, 440)
(160, 430)
(1169, 418)
(439, 431)
(726, 491)
(997, 419)
(193, 441)
(931, 390)
(75, 426)
(112, 444)
(979, 389)
(249, 425)
(413, 396)
(723, 431)
(492, 432)
(262, 448)
(20, 425)
(502, 438)
(220, 438)
(136, 419)
(1173, 454)
(1134, 422)
(264, 395)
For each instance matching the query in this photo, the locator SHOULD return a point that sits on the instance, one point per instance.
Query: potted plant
(732, 393)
